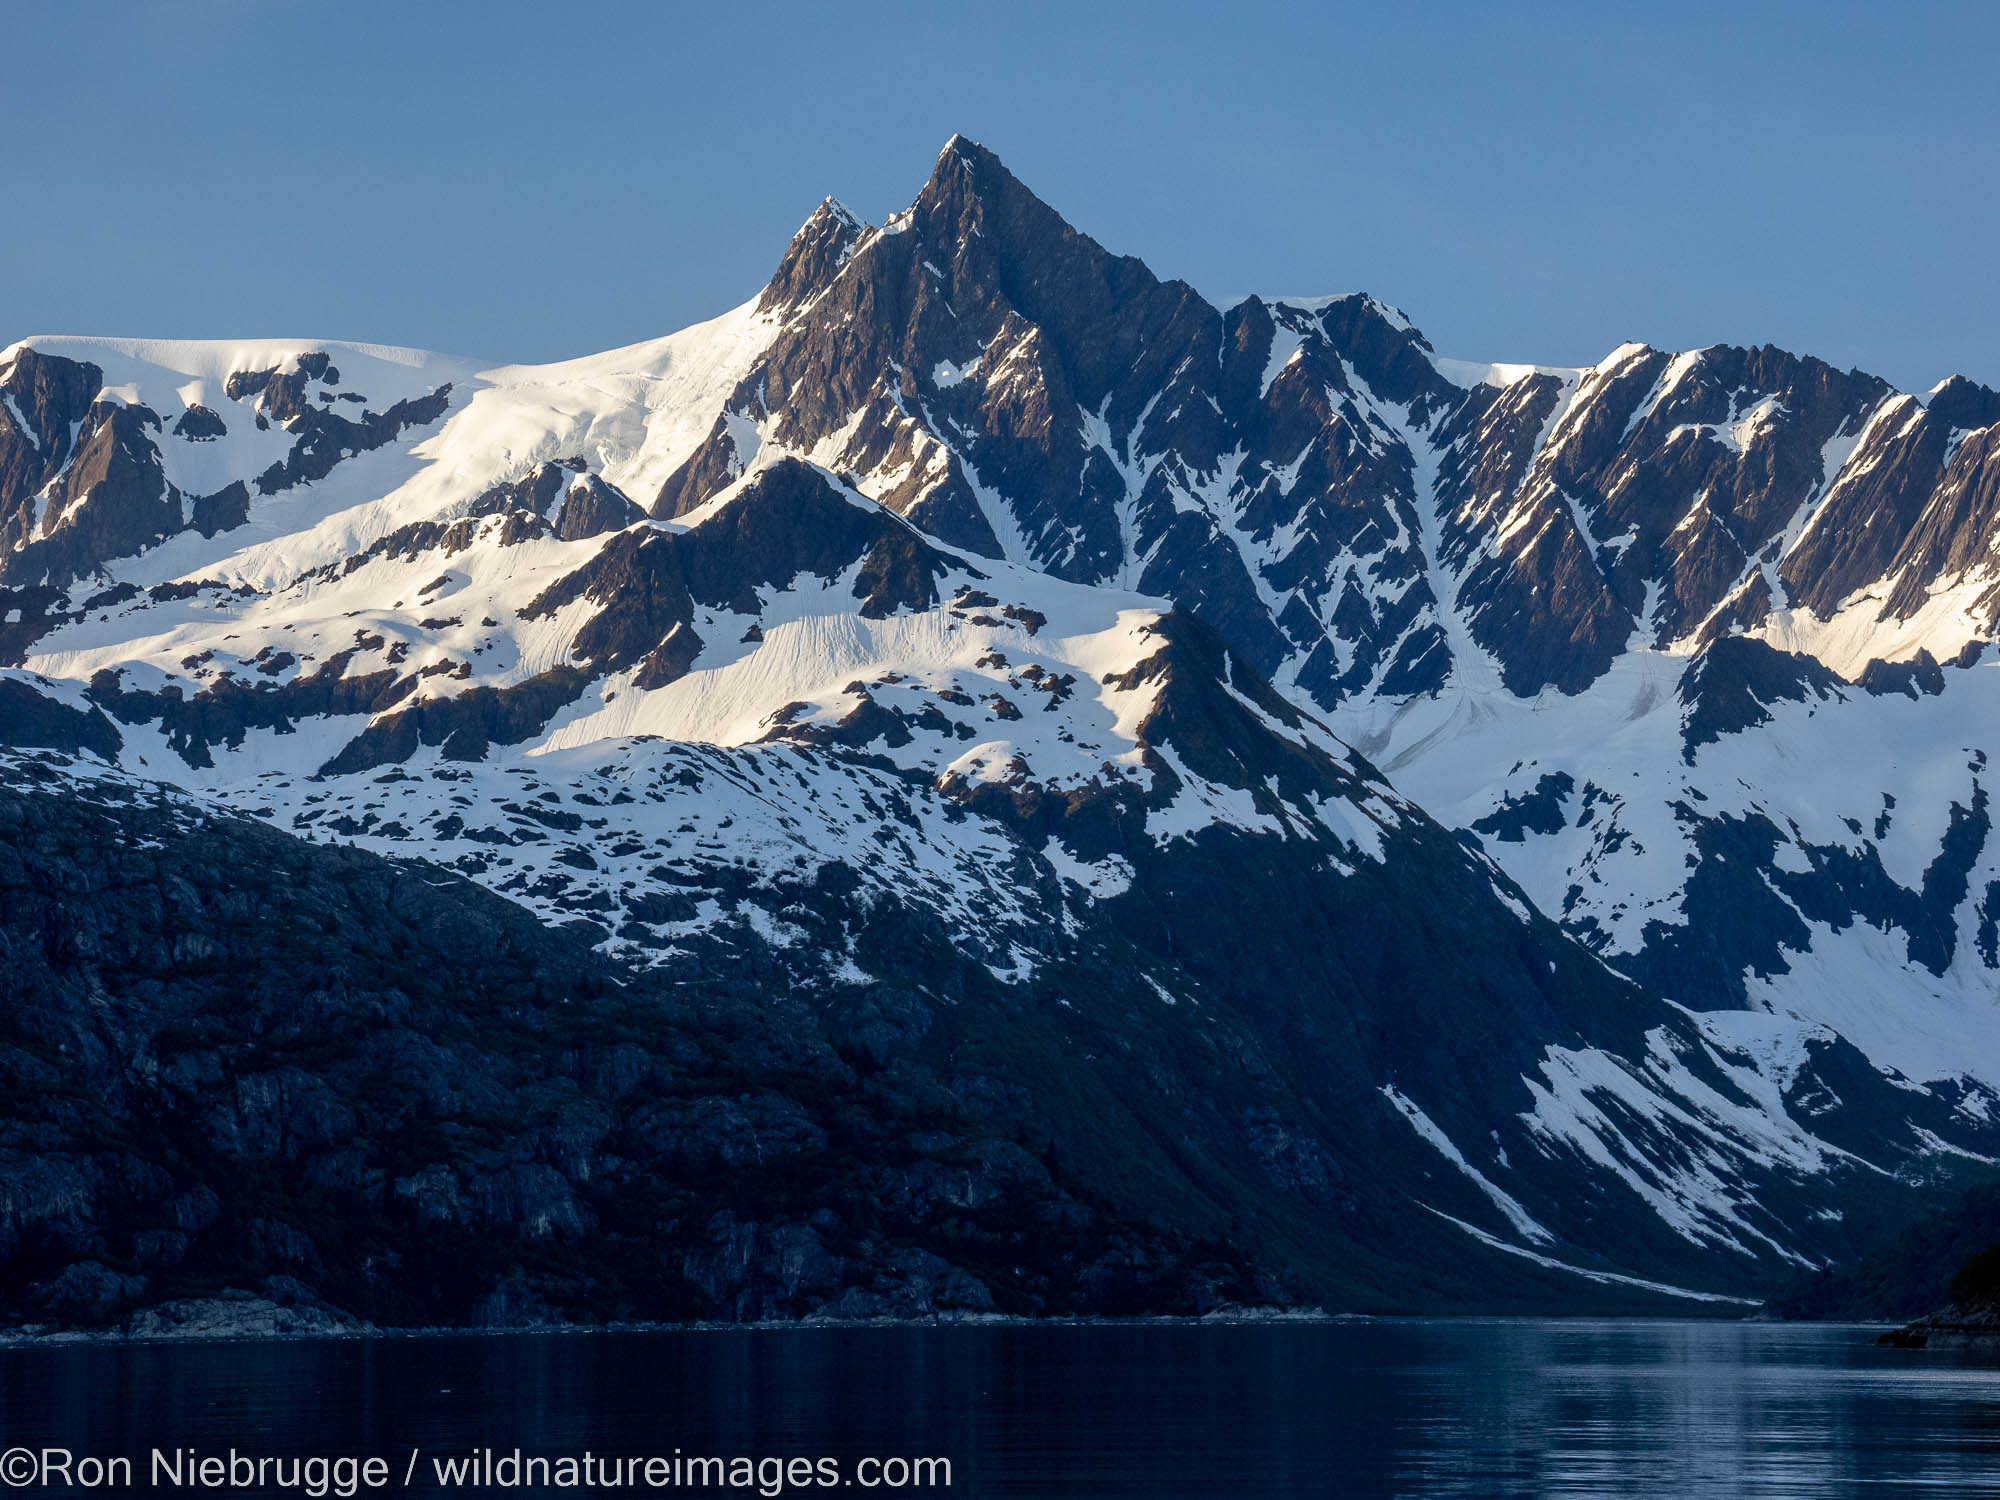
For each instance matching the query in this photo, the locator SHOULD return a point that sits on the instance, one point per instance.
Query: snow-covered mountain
(1525, 824)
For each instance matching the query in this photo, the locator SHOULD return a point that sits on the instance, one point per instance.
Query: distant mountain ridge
(1256, 662)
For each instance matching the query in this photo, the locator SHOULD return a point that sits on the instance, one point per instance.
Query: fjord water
(1406, 1408)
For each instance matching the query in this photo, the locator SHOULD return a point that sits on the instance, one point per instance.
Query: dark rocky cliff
(234, 1060)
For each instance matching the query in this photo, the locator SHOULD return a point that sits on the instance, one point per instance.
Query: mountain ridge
(976, 564)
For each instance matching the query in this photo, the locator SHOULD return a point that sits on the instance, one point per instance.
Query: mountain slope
(1475, 566)
(237, 1058)
(972, 573)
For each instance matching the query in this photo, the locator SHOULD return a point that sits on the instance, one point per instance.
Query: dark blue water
(1417, 1409)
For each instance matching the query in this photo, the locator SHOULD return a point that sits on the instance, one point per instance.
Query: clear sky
(1530, 182)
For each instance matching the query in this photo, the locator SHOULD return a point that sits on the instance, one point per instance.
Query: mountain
(1940, 1278)
(1944, 1257)
(1438, 835)
(364, 1088)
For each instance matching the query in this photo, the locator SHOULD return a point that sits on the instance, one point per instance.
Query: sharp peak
(964, 145)
(962, 157)
(818, 250)
(971, 191)
(831, 213)
(972, 154)
(831, 207)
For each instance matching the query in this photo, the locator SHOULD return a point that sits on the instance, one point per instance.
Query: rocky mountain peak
(966, 170)
(1964, 404)
(43, 401)
(815, 256)
(997, 240)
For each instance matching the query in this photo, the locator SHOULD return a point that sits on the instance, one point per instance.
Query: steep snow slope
(631, 412)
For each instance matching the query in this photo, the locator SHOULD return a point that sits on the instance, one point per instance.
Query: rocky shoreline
(1970, 1326)
(287, 1314)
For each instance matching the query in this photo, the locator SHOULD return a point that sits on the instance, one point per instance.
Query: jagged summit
(1964, 402)
(815, 256)
(962, 152)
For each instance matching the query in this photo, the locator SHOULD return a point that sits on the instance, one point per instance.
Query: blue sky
(1529, 182)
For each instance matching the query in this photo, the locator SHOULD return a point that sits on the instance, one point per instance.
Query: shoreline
(15, 1339)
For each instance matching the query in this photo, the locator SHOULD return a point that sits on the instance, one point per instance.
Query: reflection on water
(1212, 1413)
